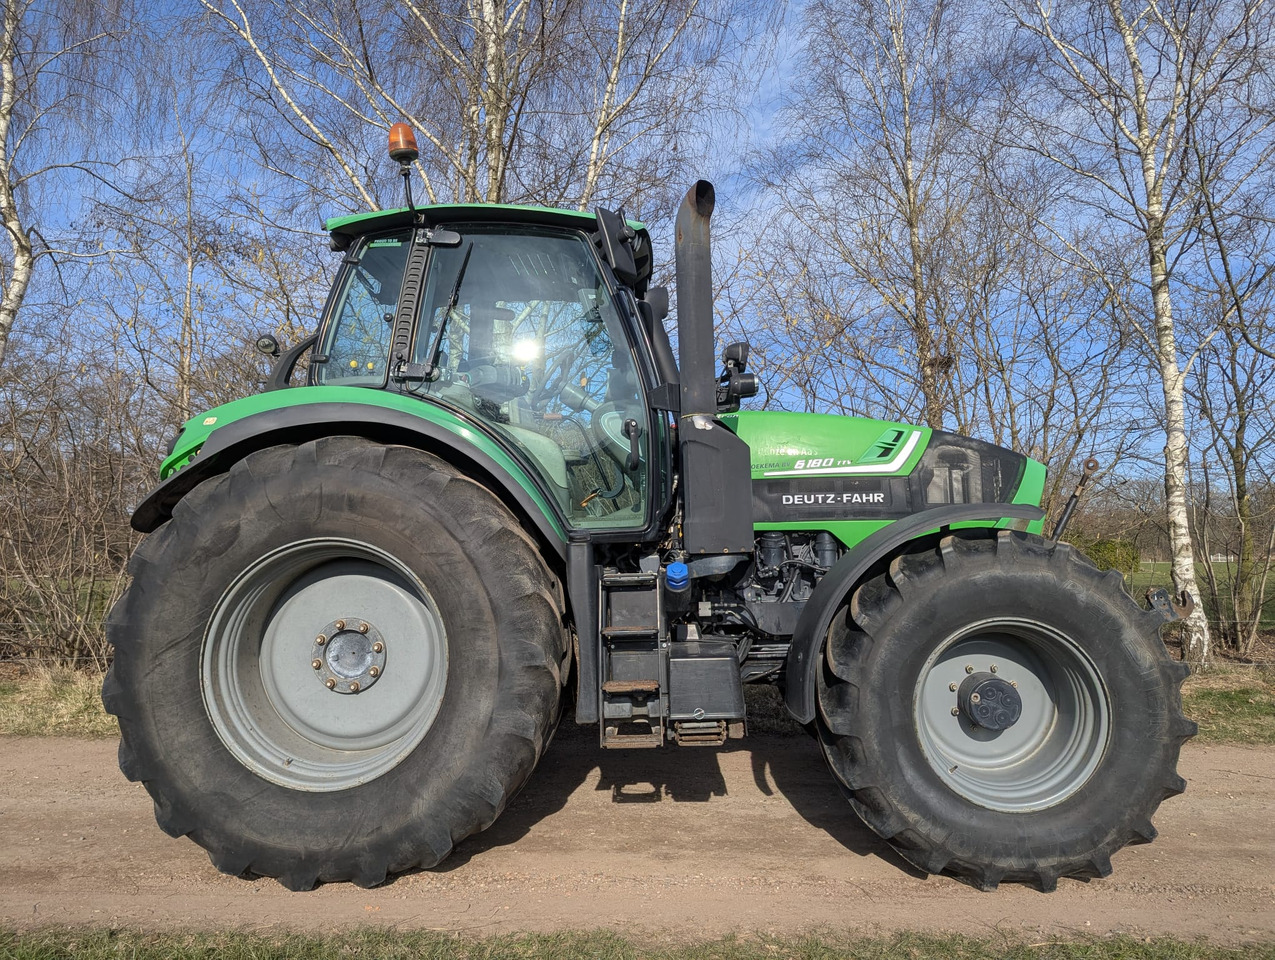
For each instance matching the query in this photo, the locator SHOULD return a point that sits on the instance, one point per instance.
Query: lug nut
(968, 668)
(316, 663)
(378, 647)
(321, 639)
(363, 627)
(956, 711)
(993, 668)
(374, 672)
(330, 683)
(354, 686)
(975, 698)
(340, 625)
(952, 687)
(1014, 684)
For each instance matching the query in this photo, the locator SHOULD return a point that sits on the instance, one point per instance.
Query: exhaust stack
(694, 256)
(717, 505)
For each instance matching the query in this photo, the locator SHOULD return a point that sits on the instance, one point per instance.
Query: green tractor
(363, 599)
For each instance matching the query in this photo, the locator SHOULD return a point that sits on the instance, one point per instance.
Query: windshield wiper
(428, 371)
(431, 365)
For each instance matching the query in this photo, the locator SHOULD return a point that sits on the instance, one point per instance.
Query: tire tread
(840, 706)
(531, 640)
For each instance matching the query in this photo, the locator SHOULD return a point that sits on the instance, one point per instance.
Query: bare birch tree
(1117, 88)
(47, 78)
(1236, 531)
(514, 101)
(877, 174)
(900, 281)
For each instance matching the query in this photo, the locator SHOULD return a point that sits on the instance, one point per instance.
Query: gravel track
(685, 844)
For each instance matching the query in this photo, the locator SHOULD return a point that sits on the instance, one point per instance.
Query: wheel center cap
(348, 655)
(989, 702)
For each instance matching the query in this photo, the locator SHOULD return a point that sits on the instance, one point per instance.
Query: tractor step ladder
(699, 733)
(633, 662)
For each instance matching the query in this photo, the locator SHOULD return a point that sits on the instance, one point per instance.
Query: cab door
(531, 343)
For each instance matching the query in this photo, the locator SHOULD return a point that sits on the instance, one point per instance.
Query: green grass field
(386, 945)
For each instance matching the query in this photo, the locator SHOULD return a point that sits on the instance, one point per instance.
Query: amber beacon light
(403, 144)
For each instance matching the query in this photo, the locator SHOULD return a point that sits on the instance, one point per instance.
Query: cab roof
(355, 224)
(345, 228)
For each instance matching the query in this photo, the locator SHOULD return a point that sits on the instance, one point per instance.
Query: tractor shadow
(784, 761)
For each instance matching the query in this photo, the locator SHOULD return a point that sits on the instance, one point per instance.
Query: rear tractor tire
(335, 662)
(1001, 710)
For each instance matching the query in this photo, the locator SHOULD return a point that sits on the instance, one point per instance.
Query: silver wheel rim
(292, 684)
(1054, 746)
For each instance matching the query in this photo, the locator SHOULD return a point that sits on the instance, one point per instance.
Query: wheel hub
(348, 655)
(1019, 749)
(989, 702)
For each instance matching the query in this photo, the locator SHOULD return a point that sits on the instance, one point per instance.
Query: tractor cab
(514, 324)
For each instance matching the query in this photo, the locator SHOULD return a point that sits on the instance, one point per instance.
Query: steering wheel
(606, 421)
(606, 427)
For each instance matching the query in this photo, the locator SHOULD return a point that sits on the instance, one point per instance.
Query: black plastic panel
(831, 498)
(718, 510)
(582, 594)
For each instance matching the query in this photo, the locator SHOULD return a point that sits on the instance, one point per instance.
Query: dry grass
(54, 701)
(56, 944)
(1232, 704)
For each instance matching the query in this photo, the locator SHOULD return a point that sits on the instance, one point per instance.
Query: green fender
(212, 442)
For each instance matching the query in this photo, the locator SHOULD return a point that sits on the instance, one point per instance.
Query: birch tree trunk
(1173, 380)
(1152, 148)
(51, 58)
(21, 259)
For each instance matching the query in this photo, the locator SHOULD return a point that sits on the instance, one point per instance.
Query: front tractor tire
(1001, 710)
(335, 662)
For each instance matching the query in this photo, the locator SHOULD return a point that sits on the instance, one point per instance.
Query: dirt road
(696, 843)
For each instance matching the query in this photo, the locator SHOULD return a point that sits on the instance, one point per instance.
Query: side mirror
(267, 344)
(282, 372)
(615, 236)
(735, 383)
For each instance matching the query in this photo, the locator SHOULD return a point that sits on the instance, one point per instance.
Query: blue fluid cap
(677, 576)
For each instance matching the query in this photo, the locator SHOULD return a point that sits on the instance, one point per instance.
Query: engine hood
(811, 467)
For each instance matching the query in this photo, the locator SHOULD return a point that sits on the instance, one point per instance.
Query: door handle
(632, 431)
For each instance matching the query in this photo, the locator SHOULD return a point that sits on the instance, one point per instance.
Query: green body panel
(781, 444)
(823, 444)
(197, 430)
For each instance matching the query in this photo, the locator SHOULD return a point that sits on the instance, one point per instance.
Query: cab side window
(358, 341)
